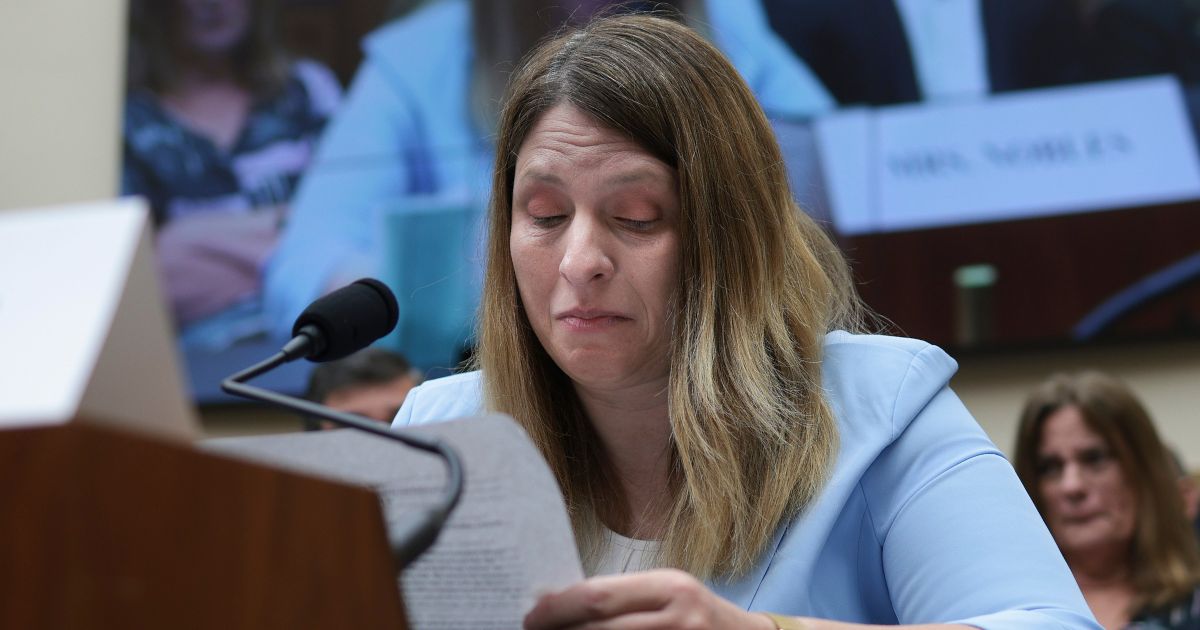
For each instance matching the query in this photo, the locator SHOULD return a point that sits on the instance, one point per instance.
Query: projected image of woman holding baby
(219, 125)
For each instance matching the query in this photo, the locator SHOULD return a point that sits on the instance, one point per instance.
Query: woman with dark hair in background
(677, 338)
(1089, 456)
(219, 124)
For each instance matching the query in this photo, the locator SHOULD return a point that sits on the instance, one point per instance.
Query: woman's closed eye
(637, 214)
(639, 225)
(547, 222)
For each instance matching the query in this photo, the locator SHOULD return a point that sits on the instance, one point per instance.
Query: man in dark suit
(861, 51)
(1130, 38)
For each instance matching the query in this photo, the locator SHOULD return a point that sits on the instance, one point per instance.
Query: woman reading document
(680, 342)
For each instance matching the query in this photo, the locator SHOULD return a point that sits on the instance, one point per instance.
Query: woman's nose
(1073, 482)
(585, 257)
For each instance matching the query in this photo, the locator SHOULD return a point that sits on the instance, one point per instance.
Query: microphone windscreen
(350, 318)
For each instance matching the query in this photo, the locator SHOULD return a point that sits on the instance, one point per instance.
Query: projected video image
(1000, 174)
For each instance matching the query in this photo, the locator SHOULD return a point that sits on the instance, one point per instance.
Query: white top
(626, 555)
(948, 47)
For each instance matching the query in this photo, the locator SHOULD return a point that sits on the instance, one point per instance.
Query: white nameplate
(83, 327)
(1037, 153)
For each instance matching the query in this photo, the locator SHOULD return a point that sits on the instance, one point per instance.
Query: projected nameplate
(1101, 146)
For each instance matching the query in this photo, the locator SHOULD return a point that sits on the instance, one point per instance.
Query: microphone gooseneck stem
(420, 535)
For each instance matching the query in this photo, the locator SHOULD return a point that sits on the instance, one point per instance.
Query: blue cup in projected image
(431, 257)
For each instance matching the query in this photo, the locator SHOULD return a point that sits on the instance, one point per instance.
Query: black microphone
(344, 321)
(334, 326)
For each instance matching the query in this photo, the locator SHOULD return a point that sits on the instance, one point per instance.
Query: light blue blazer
(923, 520)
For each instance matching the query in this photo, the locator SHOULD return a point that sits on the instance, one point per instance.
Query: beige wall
(1165, 375)
(62, 67)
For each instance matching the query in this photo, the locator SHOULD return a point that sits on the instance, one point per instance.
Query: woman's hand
(643, 601)
(211, 260)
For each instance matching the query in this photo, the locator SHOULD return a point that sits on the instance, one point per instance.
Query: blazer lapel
(741, 591)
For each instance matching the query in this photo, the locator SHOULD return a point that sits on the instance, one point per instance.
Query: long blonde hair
(1164, 558)
(760, 284)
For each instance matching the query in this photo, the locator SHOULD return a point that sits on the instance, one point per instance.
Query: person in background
(1133, 38)
(882, 52)
(1189, 491)
(219, 124)
(419, 120)
(371, 383)
(1091, 459)
(677, 338)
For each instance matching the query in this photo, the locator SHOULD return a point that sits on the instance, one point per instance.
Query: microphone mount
(416, 535)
